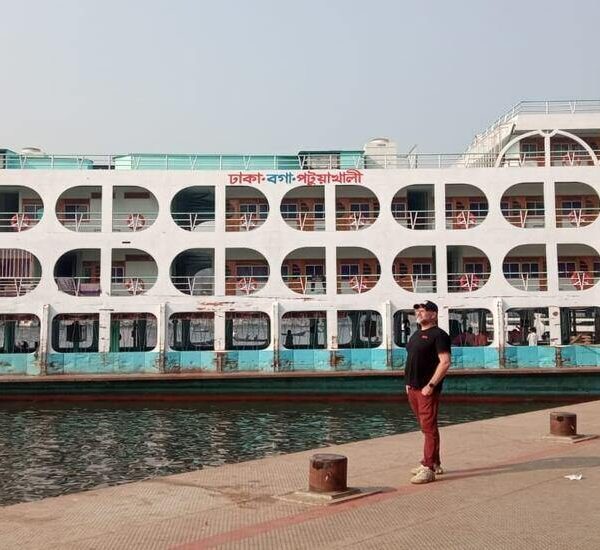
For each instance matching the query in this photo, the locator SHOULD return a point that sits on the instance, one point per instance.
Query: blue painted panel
(86, 363)
(360, 359)
(342, 359)
(529, 356)
(197, 361)
(248, 360)
(322, 359)
(265, 360)
(580, 356)
(398, 358)
(475, 358)
(56, 363)
(379, 359)
(18, 363)
(132, 362)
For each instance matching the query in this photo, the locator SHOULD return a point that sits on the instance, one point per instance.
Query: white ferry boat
(168, 264)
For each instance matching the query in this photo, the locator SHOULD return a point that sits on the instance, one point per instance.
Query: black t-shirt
(422, 359)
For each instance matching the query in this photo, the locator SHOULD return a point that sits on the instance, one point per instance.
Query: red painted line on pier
(319, 512)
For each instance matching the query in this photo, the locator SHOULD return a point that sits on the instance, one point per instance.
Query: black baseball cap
(427, 306)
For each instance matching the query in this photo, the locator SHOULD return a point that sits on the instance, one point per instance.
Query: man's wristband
(431, 385)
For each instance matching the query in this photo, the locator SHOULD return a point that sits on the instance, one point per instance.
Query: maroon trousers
(426, 408)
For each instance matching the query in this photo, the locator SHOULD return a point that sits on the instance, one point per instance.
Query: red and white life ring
(469, 281)
(246, 284)
(135, 285)
(357, 284)
(578, 218)
(582, 280)
(20, 221)
(136, 221)
(465, 218)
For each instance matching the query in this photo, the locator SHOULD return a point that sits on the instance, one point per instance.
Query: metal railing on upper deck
(18, 221)
(353, 221)
(11, 287)
(542, 107)
(305, 221)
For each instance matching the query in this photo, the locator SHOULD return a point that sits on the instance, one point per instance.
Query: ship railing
(576, 217)
(416, 219)
(78, 286)
(11, 287)
(195, 221)
(81, 222)
(572, 158)
(305, 221)
(464, 219)
(131, 285)
(353, 221)
(132, 221)
(529, 281)
(542, 107)
(255, 163)
(524, 159)
(18, 221)
(416, 282)
(467, 282)
(236, 285)
(305, 284)
(244, 221)
(356, 284)
(194, 285)
(577, 280)
(525, 217)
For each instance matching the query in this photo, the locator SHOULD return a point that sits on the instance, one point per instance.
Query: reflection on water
(48, 450)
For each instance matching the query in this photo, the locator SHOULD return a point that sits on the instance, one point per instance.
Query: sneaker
(425, 475)
(438, 470)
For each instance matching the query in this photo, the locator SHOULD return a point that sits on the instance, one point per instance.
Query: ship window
(348, 270)
(405, 324)
(519, 321)
(471, 327)
(33, 208)
(399, 209)
(535, 206)
(359, 329)
(191, 331)
(566, 269)
(247, 330)
(478, 207)
(289, 210)
(19, 333)
(75, 333)
(474, 267)
(319, 210)
(359, 207)
(252, 271)
(422, 270)
(132, 332)
(304, 330)
(580, 326)
(571, 205)
(76, 211)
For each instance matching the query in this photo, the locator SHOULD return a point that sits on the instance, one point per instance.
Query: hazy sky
(272, 76)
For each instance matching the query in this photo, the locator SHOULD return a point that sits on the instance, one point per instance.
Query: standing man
(427, 363)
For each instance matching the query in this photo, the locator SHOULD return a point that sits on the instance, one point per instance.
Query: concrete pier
(504, 488)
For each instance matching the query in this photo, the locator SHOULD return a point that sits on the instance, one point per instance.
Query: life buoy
(357, 284)
(465, 218)
(246, 284)
(247, 221)
(469, 281)
(577, 217)
(136, 221)
(20, 221)
(135, 285)
(582, 280)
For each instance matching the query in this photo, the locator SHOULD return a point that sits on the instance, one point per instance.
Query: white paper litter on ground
(574, 477)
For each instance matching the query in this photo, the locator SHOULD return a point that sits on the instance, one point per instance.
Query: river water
(49, 450)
